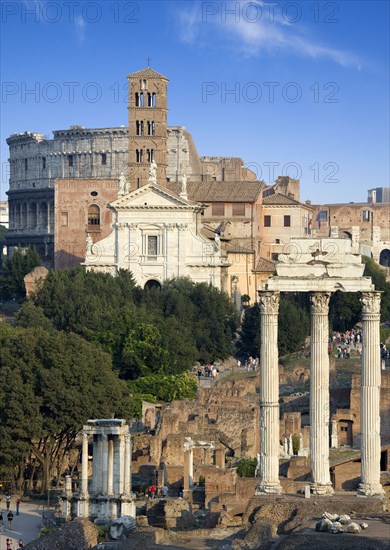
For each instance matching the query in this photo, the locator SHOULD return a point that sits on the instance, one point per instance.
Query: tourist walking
(17, 506)
(1, 518)
(8, 500)
(8, 543)
(10, 518)
(20, 543)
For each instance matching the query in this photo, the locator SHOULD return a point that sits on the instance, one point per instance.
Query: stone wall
(346, 477)
(73, 198)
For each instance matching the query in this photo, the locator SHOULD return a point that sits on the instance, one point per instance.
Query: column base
(370, 490)
(322, 490)
(128, 506)
(268, 489)
(82, 506)
(66, 509)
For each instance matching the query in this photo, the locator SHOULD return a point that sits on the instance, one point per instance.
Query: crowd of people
(249, 364)
(208, 371)
(353, 340)
(10, 518)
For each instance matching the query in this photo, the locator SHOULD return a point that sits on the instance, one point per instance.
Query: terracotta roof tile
(221, 191)
(278, 198)
(264, 264)
(148, 72)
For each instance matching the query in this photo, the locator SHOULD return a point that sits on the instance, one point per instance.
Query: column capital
(84, 435)
(269, 301)
(320, 302)
(371, 302)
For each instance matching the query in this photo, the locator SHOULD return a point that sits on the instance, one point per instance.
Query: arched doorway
(152, 284)
(384, 258)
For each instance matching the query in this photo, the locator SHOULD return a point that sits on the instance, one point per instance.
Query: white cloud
(79, 28)
(252, 38)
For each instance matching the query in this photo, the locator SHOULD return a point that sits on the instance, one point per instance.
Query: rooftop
(221, 191)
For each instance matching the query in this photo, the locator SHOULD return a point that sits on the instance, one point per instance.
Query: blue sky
(296, 88)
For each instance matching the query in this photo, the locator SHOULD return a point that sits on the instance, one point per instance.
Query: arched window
(139, 155)
(151, 128)
(139, 126)
(153, 99)
(93, 217)
(150, 154)
(139, 99)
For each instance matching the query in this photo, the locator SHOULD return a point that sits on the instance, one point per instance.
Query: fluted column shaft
(121, 455)
(319, 394)
(104, 463)
(370, 397)
(127, 479)
(269, 394)
(84, 466)
(110, 468)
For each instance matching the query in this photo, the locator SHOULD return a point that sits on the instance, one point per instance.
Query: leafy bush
(246, 467)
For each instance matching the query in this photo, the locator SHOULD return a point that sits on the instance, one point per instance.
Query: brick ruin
(227, 415)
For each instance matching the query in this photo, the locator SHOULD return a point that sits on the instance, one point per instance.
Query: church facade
(156, 235)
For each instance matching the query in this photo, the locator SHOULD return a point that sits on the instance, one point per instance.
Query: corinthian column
(269, 395)
(84, 466)
(370, 396)
(319, 394)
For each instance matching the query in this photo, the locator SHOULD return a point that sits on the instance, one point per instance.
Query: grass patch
(338, 455)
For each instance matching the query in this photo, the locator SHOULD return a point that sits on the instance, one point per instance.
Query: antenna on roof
(148, 60)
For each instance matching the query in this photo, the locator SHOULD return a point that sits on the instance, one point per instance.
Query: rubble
(334, 523)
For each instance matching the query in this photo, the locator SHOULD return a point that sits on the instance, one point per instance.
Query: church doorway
(152, 284)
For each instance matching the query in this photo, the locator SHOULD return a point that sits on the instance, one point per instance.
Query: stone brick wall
(72, 200)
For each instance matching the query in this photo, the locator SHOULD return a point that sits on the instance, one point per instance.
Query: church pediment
(152, 196)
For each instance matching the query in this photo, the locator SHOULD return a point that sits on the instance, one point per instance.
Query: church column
(319, 394)
(84, 466)
(269, 395)
(370, 397)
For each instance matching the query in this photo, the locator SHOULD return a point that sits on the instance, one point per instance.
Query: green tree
(293, 327)
(30, 315)
(345, 307)
(12, 272)
(143, 352)
(250, 336)
(50, 384)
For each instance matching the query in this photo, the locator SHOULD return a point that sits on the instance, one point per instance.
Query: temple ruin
(320, 267)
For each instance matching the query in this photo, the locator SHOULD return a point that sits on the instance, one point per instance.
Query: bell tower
(147, 126)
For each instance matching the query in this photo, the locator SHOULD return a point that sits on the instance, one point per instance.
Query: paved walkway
(25, 526)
